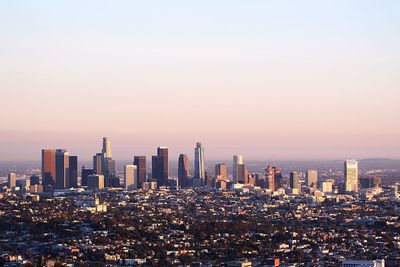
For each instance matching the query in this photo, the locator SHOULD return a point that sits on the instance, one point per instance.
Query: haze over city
(269, 80)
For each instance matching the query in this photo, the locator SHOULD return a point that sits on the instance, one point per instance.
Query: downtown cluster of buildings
(226, 216)
(60, 172)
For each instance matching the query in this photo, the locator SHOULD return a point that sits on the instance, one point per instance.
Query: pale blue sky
(267, 79)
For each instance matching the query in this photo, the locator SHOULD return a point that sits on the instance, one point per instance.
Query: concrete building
(130, 177)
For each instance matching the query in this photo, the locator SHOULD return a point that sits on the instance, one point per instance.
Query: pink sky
(242, 80)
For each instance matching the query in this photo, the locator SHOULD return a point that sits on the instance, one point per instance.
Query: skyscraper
(130, 177)
(183, 170)
(271, 176)
(97, 163)
(221, 172)
(73, 172)
(62, 168)
(85, 174)
(312, 179)
(278, 178)
(199, 163)
(237, 159)
(106, 151)
(12, 180)
(160, 167)
(295, 182)
(48, 167)
(242, 174)
(109, 169)
(351, 175)
(140, 162)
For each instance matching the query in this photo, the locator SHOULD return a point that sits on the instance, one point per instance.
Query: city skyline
(269, 80)
(200, 133)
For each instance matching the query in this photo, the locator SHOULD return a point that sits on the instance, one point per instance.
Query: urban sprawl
(64, 215)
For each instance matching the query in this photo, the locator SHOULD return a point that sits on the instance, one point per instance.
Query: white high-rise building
(106, 148)
(351, 175)
(130, 177)
(237, 160)
(199, 171)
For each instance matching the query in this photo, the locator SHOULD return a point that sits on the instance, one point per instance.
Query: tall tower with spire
(106, 148)
(199, 171)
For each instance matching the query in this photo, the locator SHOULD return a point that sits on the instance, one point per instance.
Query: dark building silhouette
(97, 163)
(109, 169)
(370, 182)
(48, 167)
(183, 170)
(62, 168)
(34, 180)
(278, 179)
(85, 174)
(160, 168)
(73, 172)
(242, 173)
(140, 162)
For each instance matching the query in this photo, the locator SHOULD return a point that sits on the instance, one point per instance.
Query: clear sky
(266, 79)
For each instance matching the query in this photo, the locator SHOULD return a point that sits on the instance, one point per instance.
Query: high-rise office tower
(97, 163)
(12, 180)
(278, 178)
(272, 174)
(62, 168)
(73, 172)
(312, 179)
(199, 171)
(106, 151)
(183, 170)
(85, 174)
(295, 182)
(95, 182)
(48, 167)
(237, 159)
(110, 170)
(140, 162)
(130, 177)
(351, 175)
(160, 167)
(242, 174)
(221, 172)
